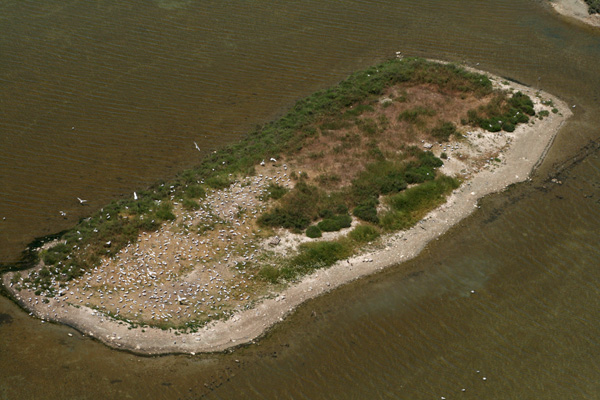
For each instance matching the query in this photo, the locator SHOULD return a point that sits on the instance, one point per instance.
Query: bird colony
(194, 269)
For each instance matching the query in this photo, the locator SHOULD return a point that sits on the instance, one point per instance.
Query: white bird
(63, 214)
(262, 162)
(135, 196)
(274, 160)
(81, 201)
(197, 147)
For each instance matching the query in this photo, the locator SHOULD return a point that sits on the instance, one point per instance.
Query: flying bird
(81, 201)
(197, 147)
(135, 196)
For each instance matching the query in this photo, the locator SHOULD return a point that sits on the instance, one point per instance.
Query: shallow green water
(101, 98)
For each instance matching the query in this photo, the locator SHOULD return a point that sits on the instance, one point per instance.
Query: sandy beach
(577, 9)
(519, 153)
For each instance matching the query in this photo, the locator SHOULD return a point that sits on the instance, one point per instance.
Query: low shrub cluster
(408, 207)
(335, 223)
(313, 232)
(502, 114)
(593, 6)
(443, 131)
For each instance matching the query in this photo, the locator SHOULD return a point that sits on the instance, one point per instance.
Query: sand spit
(510, 158)
(577, 9)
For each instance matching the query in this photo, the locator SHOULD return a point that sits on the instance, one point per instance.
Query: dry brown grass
(333, 158)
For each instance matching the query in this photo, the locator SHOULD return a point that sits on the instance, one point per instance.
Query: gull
(273, 159)
(135, 196)
(81, 201)
(197, 147)
(63, 214)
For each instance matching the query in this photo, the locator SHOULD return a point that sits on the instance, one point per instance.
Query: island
(353, 179)
(587, 11)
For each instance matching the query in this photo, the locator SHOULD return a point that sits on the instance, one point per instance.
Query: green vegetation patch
(313, 232)
(444, 130)
(364, 233)
(593, 6)
(502, 113)
(335, 223)
(408, 207)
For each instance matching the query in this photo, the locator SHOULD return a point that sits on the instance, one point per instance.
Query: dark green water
(100, 98)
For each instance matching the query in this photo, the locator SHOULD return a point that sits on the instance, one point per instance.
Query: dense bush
(443, 131)
(366, 212)
(419, 174)
(501, 114)
(285, 218)
(335, 223)
(165, 212)
(313, 232)
(593, 6)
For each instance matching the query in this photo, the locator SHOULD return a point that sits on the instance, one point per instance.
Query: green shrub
(366, 212)
(364, 233)
(428, 159)
(341, 209)
(424, 196)
(522, 102)
(508, 126)
(593, 6)
(313, 232)
(419, 174)
(443, 131)
(164, 212)
(55, 254)
(284, 218)
(194, 191)
(501, 113)
(335, 223)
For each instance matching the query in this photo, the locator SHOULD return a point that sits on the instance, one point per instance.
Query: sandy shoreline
(577, 9)
(528, 146)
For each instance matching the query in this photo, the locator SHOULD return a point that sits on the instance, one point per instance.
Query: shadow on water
(102, 98)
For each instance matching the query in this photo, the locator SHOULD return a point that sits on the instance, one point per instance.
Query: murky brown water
(100, 98)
